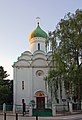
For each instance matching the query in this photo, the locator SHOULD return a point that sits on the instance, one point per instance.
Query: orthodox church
(30, 69)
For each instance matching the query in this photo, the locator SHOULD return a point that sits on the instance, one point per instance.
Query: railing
(1, 107)
(6, 107)
(62, 109)
(18, 108)
(58, 107)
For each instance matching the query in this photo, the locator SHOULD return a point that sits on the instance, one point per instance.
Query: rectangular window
(22, 85)
(38, 46)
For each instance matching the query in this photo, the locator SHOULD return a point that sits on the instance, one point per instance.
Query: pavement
(58, 114)
(67, 116)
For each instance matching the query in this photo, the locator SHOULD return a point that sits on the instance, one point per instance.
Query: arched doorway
(41, 108)
(40, 100)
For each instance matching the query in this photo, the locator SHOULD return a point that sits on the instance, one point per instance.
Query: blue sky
(18, 19)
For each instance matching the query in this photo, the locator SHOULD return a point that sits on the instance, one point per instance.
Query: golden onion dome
(38, 32)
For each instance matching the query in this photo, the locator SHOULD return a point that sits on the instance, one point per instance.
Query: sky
(18, 19)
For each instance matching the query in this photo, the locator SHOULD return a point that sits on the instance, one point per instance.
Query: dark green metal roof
(38, 32)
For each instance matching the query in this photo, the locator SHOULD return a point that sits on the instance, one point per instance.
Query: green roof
(38, 32)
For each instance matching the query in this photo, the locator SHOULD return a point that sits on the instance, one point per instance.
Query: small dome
(38, 32)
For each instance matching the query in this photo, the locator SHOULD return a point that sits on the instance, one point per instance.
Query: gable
(22, 63)
(39, 62)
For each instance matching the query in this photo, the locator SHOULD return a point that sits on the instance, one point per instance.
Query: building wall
(23, 74)
(32, 71)
(34, 44)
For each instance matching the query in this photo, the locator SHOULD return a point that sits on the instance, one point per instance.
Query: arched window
(38, 46)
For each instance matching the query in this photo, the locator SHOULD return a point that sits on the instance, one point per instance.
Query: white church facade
(30, 69)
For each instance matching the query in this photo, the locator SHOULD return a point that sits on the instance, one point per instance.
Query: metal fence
(6, 107)
(18, 108)
(59, 107)
(1, 107)
(62, 108)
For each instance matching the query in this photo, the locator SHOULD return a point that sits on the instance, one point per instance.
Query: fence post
(36, 117)
(16, 116)
(4, 116)
(30, 110)
(4, 107)
(70, 107)
(53, 109)
(37, 114)
(14, 107)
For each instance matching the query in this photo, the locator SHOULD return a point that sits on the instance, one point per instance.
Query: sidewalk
(69, 113)
(10, 113)
(74, 116)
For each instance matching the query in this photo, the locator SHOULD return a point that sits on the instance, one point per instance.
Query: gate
(44, 110)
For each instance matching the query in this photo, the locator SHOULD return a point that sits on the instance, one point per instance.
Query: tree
(6, 92)
(6, 87)
(69, 52)
(69, 32)
(3, 74)
(54, 77)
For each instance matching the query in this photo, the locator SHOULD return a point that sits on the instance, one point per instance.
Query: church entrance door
(40, 102)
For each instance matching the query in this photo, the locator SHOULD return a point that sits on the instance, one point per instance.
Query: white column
(70, 107)
(35, 101)
(53, 109)
(45, 101)
(14, 88)
(4, 107)
(30, 110)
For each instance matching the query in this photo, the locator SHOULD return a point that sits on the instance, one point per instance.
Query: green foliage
(3, 74)
(6, 92)
(69, 32)
(67, 54)
(6, 88)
